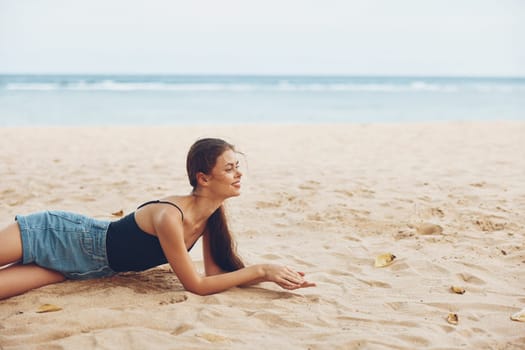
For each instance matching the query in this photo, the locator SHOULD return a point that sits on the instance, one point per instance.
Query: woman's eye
(230, 169)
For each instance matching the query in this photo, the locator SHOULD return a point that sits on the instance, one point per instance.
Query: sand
(447, 199)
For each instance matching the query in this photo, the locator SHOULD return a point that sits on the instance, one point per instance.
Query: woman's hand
(285, 277)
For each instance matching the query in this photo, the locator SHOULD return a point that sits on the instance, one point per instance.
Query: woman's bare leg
(17, 279)
(10, 244)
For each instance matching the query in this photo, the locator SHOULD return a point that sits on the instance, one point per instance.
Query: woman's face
(225, 179)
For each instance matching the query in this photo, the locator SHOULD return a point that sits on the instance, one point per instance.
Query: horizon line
(350, 75)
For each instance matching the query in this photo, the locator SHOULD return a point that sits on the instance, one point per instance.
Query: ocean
(49, 100)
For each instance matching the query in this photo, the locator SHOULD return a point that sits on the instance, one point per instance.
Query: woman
(52, 246)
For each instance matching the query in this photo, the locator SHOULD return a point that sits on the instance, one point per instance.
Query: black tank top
(131, 249)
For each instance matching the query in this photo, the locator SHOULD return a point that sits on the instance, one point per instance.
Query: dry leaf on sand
(48, 308)
(457, 290)
(385, 259)
(118, 213)
(453, 318)
(518, 316)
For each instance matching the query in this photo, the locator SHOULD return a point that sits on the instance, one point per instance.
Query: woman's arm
(170, 232)
(210, 266)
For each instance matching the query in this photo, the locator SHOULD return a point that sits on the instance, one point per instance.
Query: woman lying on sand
(49, 247)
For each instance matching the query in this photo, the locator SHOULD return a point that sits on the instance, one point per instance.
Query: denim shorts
(72, 244)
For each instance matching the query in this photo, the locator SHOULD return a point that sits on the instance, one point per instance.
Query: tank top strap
(162, 202)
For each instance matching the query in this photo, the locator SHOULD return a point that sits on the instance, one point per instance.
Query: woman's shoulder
(176, 199)
(154, 212)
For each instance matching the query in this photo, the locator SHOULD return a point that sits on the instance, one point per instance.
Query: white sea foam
(32, 86)
(110, 85)
(279, 86)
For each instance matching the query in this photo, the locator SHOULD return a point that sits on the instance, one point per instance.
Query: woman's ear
(202, 179)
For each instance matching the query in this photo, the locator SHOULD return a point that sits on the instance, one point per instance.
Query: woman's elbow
(197, 287)
(201, 291)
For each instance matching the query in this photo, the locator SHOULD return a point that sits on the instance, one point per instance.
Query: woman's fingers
(308, 284)
(293, 276)
(297, 279)
(290, 286)
(288, 278)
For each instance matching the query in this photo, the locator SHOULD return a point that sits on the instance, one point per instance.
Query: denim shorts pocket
(67, 222)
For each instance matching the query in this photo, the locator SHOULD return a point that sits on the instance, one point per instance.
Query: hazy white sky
(392, 37)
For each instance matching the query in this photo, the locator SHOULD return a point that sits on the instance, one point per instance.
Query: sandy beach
(447, 199)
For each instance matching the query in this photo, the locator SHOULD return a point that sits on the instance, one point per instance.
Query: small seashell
(383, 260)
(457, 290)
(518, 316)
(48, 308)
(453, 318)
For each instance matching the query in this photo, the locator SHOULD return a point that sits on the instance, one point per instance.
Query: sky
(324, 37)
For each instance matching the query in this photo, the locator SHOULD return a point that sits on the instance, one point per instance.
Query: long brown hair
(202, 157)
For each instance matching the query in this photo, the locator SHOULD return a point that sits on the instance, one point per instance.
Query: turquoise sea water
(181, 99)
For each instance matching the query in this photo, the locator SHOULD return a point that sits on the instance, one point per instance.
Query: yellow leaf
(453, 319)
(383, 260)
(518, 316)
(48, 308)
(457, 290)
